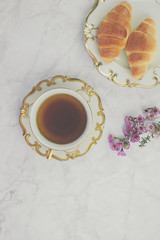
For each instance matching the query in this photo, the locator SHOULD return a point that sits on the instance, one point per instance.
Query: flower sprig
(134, 128)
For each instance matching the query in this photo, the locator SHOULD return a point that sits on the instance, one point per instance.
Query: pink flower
(114, 146)
(148, 118)
(127, 145)
(140, 128)
(128, 119)
(140, 119)
(110, 138)
(117, 148)
(129, 125)
(150, 127)
(151, 116)
(155, 111)
(121, 144)
(121, 153)
(135, 138)
(134, 130)
(126, 133)
(134, 127)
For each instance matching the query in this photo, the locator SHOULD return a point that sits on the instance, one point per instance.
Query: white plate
(87, 93)
(118, 71)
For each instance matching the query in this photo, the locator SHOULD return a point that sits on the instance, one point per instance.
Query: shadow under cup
(61, 119)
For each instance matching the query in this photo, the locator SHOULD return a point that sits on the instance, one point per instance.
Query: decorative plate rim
(49, 154)
(112, 76)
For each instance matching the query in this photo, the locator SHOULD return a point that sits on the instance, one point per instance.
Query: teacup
(39, 114)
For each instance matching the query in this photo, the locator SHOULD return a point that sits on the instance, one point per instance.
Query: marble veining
(98, 196)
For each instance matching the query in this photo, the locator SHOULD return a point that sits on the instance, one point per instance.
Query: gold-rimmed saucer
(88, 94)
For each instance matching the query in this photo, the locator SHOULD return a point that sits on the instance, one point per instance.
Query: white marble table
(96, 197)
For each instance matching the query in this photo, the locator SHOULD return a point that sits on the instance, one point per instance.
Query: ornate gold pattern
(88, 89)
(73, 155)
(88, 31)
(24, 110)
(49, 153)
(88, 34)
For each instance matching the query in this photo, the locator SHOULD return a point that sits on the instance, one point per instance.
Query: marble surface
(96, 197)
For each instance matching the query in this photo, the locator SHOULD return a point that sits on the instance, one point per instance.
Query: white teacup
(44, 140)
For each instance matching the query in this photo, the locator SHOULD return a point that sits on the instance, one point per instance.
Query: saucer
(90, 97)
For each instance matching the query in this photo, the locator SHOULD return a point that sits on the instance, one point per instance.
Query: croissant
(141, 47)
(113, 31)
